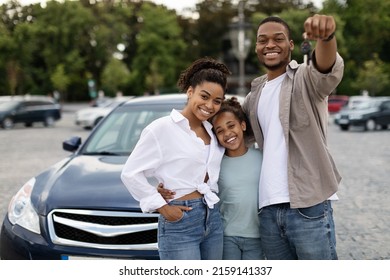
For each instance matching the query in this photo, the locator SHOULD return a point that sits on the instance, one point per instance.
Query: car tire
(7, 123)
(344, 127)
(49, 121)
(370, 125)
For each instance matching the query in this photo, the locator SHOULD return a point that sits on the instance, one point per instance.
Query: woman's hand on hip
(173, 213)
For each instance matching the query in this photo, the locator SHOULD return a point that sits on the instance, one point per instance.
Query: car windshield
(366, 104)
(120, 132)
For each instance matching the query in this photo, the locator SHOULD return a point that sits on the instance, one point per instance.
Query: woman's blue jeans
(303, 233)
(198, 235)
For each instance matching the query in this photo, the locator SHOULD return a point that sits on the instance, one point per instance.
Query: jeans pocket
(314, 212)
(175, 221)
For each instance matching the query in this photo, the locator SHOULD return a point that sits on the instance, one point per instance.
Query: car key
(306, 50)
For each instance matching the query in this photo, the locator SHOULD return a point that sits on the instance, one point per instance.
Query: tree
(372, 77)
(115, 76)
(368, 28)
(68, 43)
(159, 49)
(60, 79)
(213, 25)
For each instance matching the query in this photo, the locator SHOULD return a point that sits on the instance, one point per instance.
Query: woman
(182, 152)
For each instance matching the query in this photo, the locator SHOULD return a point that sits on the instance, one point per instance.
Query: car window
(365, 105)
(8, 105)
(386, 105)
(120, 132)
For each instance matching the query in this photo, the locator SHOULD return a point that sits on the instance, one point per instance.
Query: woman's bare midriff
(193, 195)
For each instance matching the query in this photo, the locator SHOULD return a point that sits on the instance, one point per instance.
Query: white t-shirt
(170, 152)
(273, 186)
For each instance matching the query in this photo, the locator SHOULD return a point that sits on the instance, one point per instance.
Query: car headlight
(20, 210)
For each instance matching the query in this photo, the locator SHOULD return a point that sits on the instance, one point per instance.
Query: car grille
(103, 229)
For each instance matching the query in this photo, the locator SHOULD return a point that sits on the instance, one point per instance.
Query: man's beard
(281, 64)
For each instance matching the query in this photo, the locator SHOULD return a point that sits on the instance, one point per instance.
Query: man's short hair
(277, 20)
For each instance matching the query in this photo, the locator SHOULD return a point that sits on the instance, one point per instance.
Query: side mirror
(72, 144)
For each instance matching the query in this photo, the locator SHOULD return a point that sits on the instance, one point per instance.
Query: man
(287, 108)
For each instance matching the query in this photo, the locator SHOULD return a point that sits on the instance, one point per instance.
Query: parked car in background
(89, 117)
(79, 207)
(355, 100)
(337, 102)
(370, 114)
(28, 110)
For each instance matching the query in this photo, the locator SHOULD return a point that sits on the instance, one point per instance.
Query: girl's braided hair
(202, 70)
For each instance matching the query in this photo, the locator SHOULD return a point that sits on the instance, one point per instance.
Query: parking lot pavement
(363, 158)
(363, 210)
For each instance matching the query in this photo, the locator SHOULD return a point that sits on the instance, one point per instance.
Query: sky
(178, 5)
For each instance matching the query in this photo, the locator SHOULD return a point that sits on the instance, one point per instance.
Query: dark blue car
(79, 207)
(28, 110)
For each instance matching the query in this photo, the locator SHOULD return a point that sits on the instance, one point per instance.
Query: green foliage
(115, 77)
(212, 25)
(136, 46)
(159, 47)
(59, 78)
(372, 77)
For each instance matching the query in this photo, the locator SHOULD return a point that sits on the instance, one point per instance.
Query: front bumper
(17, 243)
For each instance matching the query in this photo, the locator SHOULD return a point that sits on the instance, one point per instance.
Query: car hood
(83, 182)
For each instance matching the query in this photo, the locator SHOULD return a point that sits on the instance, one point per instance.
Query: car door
(33, 111)
(21, 113)
(384, 114)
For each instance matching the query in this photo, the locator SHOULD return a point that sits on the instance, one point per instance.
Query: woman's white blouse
(170, 152)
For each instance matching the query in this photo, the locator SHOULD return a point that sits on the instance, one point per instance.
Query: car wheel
(49, 121)
(28, 124)
(370, 125)
(7, 123)
(344, 127)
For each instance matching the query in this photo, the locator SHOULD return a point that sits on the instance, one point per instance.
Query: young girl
(238, 184)
(182, 152)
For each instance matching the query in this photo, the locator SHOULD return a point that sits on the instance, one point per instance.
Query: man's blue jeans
(198, 235)
(304, 233)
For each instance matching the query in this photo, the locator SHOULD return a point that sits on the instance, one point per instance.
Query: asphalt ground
(363, 158)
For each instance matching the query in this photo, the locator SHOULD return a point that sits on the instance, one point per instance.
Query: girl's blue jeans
(242, 248)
